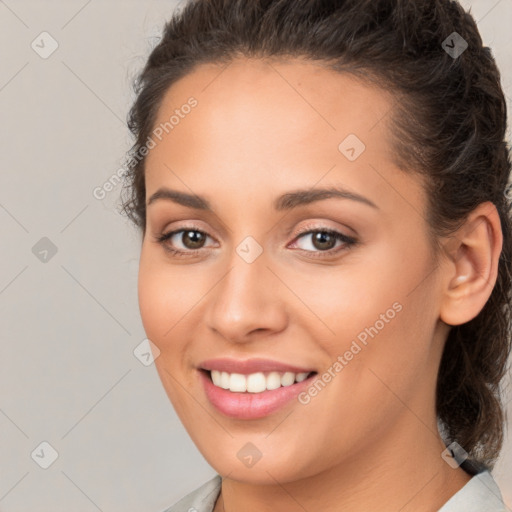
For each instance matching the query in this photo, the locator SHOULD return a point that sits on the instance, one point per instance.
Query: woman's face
(361, 310)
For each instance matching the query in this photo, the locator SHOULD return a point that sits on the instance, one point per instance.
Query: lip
(248, 366)
(250, 406)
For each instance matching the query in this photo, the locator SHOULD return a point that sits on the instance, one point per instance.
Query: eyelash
(348, 241)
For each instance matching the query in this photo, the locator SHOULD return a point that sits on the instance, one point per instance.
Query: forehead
(290, 99)
(267, 121)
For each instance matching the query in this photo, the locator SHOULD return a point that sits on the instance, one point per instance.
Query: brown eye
(185, 241)
(323, 241)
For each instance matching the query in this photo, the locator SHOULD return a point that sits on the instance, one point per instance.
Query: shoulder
(480, 494)
(201, 500)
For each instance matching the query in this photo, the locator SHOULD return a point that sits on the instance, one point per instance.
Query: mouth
(256, 395)
(257, 382)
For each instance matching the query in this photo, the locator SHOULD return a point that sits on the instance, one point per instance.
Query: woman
(325, 270)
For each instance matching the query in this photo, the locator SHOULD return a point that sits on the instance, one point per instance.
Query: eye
(323, 240)
(191, 238)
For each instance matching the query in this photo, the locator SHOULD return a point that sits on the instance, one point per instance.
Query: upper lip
(247, 366)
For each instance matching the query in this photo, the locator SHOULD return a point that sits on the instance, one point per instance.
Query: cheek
(163, 313)
(170, 299)
(387, 335)
(160, 303)
(349, 298)
(151, 296)
(377, 313)
(165, 294)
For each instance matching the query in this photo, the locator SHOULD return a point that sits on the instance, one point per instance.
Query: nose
(246, 301)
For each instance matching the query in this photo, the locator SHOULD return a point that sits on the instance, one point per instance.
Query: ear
(471, 270)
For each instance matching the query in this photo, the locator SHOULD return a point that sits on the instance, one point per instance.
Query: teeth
(301, 376)
(224, 380)
(237, 382)
(255, 382)
(273, 380)
(287, 379)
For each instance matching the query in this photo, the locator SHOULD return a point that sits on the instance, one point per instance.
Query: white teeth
(237, 382)
(255, 382)
(273, 380)
(287, 379)
(224, 380)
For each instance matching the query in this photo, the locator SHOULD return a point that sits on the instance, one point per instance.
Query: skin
(369, 439)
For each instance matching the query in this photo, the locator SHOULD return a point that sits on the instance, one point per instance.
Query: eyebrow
(287, 201)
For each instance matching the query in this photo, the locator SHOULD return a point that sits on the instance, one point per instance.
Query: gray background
(68, 374)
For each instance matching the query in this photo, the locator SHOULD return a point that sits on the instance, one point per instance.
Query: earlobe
(472, 268)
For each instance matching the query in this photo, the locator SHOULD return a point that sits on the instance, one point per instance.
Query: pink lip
(249, 406)
(247, 366)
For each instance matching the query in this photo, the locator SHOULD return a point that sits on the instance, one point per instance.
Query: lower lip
(249, 406)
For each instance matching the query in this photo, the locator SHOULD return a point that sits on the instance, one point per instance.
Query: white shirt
(480, 494)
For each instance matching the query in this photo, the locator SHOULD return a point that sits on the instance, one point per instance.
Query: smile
(255, 382)
(253, 395)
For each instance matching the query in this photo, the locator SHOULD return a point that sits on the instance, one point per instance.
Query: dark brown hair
(448, 122)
